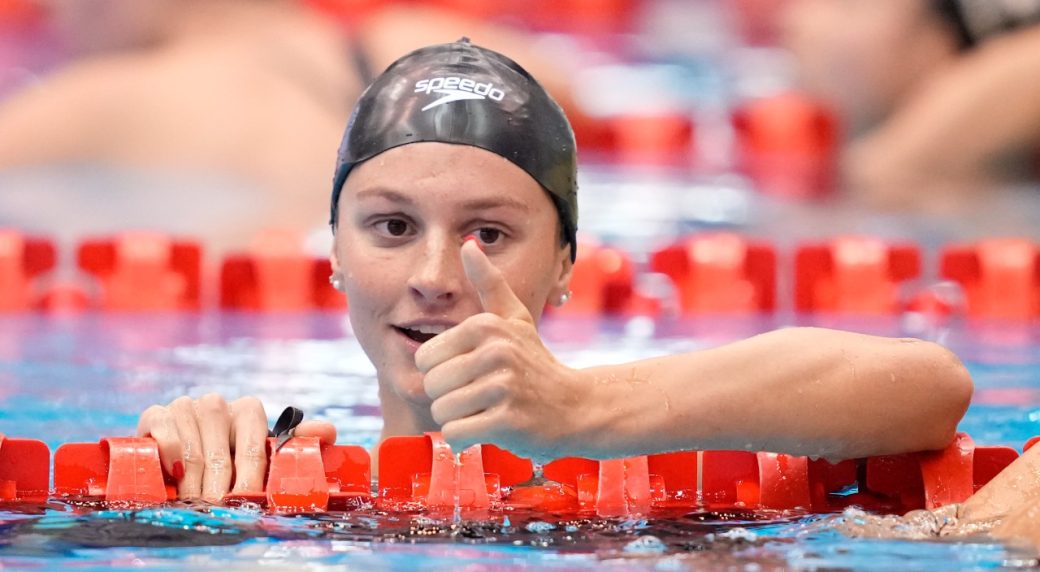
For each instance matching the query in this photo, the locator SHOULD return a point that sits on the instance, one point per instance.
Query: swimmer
(938, 97)
(1007, 507)
(454, 215)
(148, 114)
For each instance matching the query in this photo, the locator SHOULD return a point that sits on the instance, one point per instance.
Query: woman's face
(403, 217)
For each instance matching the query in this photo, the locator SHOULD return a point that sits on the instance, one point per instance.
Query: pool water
(78, 378)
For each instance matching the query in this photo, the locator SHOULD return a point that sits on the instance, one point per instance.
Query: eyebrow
(379, 192)
(470, 205)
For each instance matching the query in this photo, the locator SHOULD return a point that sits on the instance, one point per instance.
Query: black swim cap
(464, 94)
(975, 21)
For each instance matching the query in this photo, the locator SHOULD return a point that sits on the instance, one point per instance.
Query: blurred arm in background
(938, 106)
(248, 95)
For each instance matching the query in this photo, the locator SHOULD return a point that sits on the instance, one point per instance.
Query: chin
(408, 385)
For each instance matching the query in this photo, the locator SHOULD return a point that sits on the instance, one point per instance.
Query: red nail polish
(470, 237)
(178, 470)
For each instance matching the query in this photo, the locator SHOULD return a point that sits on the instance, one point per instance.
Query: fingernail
(178, 470)
(475, 241)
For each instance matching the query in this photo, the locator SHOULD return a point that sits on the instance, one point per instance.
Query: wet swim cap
(977, 20)
(464, 94)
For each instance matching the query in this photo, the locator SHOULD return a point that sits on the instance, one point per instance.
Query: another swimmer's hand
(492, 380)
(200, 439)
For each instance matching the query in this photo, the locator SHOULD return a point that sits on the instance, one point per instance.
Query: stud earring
(564, 298)
(336, 281)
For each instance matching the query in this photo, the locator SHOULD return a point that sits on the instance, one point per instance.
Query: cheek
(531, 280)
(369, 285)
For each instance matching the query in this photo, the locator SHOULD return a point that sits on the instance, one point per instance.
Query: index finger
(158, 423)
(495, 294)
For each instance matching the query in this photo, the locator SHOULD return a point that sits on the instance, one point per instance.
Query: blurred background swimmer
(122, 113)
(940, 98)
(166, 105)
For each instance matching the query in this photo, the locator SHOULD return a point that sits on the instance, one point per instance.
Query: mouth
(421, 333)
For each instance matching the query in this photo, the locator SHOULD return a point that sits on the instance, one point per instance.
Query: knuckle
(432, 383)
(153, 416)
(218, 462)
(437, 412)
(252, 453)
(442, 409)
(250, 407)
(212, 404)
(192, 459)
(249, 402)
(153, 410)
(498, 352)
(497, 388)
(182, 401)
(487, 324)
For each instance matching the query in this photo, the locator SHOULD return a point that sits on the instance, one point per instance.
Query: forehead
(445, 172)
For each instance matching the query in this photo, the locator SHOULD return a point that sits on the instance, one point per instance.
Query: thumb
(495, 294)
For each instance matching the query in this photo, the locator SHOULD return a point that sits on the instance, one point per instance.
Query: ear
(337, 272)
(334, 259)
(565, 269)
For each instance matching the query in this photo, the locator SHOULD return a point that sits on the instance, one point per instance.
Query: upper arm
(58, 118)
(959, 123)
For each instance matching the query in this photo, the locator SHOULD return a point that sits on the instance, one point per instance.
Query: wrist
(614, 417)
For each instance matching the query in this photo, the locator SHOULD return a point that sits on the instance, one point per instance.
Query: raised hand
(492, 379)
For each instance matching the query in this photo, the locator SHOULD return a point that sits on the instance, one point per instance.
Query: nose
(438, 277)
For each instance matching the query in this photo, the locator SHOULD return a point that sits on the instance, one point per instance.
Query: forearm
(802, 391)
(1014, 487)
(961, 121)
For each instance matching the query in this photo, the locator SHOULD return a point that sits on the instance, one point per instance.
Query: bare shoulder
(54, 117)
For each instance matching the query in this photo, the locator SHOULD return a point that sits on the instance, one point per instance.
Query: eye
(393, 227)
(489, 235)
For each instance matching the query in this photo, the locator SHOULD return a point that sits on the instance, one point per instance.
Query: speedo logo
(457, 89)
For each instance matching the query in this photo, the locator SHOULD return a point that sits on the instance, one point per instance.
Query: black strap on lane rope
(285, 427)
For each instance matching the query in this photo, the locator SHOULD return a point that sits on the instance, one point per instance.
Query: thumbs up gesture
(492, 380)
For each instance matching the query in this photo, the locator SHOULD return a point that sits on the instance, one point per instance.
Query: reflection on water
(81, 378)
(763, 540)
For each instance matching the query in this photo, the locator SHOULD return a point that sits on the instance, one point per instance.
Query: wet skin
(398, 251)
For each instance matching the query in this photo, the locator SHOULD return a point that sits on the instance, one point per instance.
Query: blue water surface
(78, 378)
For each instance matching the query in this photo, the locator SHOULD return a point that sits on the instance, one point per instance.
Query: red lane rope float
(603, 283)
(422, 472)
(142, 271)
(853, 275)
(787, 144)
(1000, 277)
(277, 274)
(935, 478)
(116, 469)
(302, 476)
(614, 487)
(664, 138)
(22, 259)
(24, 469)
(720, 272)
